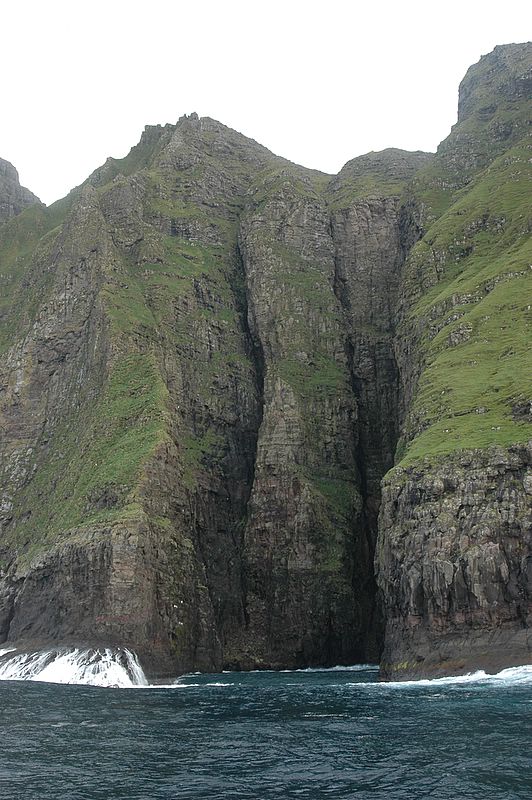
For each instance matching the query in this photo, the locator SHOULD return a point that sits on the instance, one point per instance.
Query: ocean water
(306, 734)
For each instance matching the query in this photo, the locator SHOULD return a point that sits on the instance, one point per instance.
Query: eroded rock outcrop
(14, 198)
(179, 417)
(455, 555)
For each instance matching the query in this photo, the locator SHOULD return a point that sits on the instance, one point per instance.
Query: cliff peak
(503, 76)
(14, 198)
(494, 112)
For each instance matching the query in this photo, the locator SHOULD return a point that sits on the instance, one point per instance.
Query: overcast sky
(318, 83)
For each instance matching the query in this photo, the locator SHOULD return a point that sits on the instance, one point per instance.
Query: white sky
(316, 82)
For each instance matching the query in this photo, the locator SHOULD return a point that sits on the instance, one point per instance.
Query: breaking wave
(338, 668)
(510, 676)
(113, 667)
(120, 668)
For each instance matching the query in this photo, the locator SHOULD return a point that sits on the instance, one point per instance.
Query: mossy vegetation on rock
(210, 357)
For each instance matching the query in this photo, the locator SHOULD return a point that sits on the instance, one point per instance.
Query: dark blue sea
(252, 736)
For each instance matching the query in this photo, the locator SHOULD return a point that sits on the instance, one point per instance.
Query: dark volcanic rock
(455, 564)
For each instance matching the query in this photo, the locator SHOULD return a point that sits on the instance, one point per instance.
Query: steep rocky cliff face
(14, 198)
(454, 553)
(373, 229)
(455, 563)
(306, 556)
(182, 465)
(207, 358)
(131, 407)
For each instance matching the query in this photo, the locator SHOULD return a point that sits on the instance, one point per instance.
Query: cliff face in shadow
(210, 358)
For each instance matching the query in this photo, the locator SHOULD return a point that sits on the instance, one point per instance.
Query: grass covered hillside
(466, 336)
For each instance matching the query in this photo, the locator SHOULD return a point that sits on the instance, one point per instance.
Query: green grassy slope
(468, 282)
(168, 290)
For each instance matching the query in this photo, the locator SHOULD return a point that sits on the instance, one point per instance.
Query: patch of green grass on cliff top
(364, 186)
(287, 182)
(468, 392)
(380, 174)
(100, 449)
(479, 366)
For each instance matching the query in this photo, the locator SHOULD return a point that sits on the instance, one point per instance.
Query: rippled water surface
(312, 734)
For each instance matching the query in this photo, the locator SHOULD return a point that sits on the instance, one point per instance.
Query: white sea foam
(116, 667)
(507, 677)
(120, 668)
(337, 668)
(218, 684)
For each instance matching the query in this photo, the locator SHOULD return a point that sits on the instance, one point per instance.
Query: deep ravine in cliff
(255, 416)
